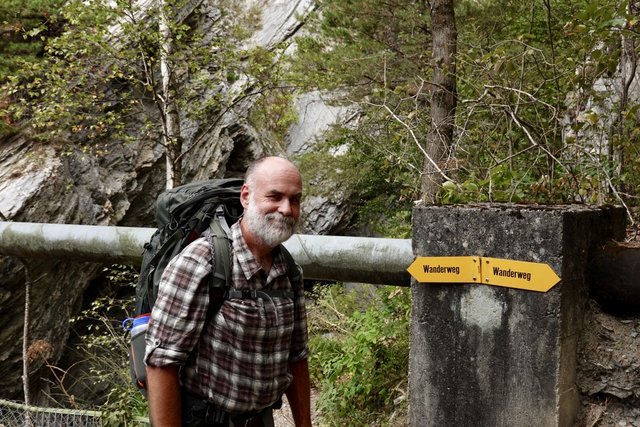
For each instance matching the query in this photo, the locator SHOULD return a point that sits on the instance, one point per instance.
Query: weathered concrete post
(485, 355)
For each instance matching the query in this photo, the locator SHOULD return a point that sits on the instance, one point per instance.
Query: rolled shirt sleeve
(180, 311)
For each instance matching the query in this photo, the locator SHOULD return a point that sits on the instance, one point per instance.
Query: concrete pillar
(484, 355)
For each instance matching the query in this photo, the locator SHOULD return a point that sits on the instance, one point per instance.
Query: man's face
(272, 228)
(272, 205)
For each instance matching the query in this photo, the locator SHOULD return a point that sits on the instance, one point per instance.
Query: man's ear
(244, 195)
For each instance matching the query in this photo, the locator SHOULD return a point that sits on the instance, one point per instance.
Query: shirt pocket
(255, 326)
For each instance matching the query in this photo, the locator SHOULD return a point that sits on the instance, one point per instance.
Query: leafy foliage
(540, 117)
(104, 346)
(373, 58)
(25, 26)
(389, 192)
(99, 78)
(273, 111)
(514, 85)
(359, 353)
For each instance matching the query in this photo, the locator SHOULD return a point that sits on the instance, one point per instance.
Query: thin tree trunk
(28, 422)
(25, 334)
(25, 331)
(171, 119)
(443, 96)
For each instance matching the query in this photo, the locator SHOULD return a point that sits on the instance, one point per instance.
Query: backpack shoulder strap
(292, 268)
(221, 262)
(220, 280)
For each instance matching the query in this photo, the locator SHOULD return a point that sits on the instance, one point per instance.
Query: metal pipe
(353, 259)
(340, 258)
(73, 242)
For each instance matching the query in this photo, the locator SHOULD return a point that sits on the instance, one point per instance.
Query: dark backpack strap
(220, 280)
(293, 271)
(221, 241)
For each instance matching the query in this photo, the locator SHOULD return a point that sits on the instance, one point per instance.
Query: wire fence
(14, 414)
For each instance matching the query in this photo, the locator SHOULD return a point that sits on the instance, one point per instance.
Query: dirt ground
(609, 364)
(609, 370)
(282, 417)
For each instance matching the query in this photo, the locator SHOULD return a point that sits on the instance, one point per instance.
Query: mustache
(280, 219)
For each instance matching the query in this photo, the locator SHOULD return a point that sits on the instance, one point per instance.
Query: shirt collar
(248, 262)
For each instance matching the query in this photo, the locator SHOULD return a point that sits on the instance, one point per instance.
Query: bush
(104, 347)
(359, 354)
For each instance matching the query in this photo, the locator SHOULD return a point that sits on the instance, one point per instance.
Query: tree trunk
(628, 70)
(25, 333)
(171, 119)
(443, 96)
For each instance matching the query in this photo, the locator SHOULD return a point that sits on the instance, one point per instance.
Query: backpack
(183, 214)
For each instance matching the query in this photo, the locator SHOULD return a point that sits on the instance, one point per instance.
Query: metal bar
(353, 259)
(340, 258)
(73, 242)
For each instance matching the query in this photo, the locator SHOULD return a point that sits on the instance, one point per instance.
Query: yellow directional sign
(532, 276)
(452, 269)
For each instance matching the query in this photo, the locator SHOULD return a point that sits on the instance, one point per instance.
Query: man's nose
(285, 208)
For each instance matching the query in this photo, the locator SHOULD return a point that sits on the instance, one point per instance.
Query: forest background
(545, 111)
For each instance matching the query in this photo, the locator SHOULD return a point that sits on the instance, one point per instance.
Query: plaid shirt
(239, 360)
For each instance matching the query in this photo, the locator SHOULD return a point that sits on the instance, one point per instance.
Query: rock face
(609, 367)
(40, 185)
(51, 184)
(316, 115)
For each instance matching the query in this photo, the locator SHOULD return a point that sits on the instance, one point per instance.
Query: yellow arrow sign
(532, 276)
(452, 269)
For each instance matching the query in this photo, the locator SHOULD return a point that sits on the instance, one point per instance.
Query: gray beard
(272, 228)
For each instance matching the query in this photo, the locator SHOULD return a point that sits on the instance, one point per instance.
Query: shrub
(359, 354)
(104, 348)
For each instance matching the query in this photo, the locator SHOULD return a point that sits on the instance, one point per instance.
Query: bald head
(269, 166)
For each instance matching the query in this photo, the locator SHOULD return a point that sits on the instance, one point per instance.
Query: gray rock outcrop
(43, 184)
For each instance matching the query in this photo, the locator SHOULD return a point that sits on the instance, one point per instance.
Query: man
(231, 370)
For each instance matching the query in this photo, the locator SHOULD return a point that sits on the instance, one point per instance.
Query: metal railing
(14, 414)
(347, 259)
